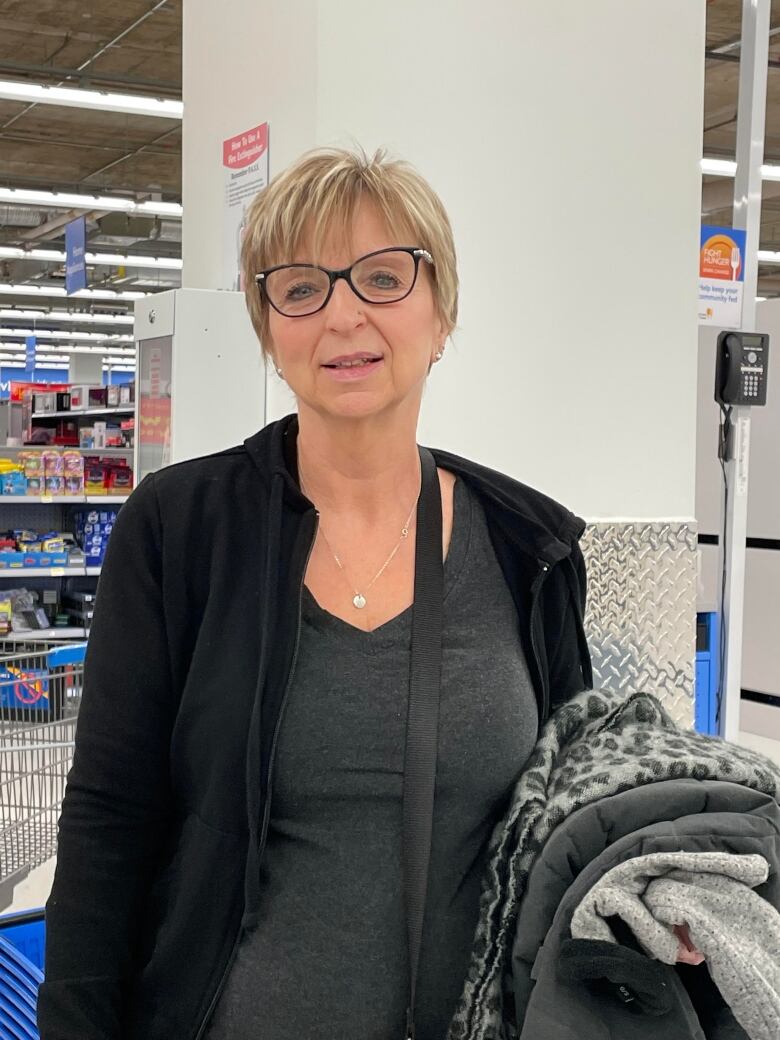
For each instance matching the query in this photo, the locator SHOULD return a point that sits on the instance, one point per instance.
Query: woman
(230, 845)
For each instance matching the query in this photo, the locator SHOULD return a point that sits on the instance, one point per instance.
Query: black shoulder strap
(423, 716)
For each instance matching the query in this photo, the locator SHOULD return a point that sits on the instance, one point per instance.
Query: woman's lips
(353, 373)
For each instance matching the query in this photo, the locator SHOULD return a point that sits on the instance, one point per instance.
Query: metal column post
(754, 56)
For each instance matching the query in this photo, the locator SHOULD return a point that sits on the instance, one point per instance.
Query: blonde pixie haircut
(317, 197)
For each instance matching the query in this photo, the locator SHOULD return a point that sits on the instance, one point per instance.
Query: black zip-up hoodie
(191, 652)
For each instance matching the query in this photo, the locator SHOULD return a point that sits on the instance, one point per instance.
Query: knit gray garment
(329, 957)
(737, 931)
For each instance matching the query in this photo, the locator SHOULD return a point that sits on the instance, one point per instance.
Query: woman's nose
(344, 307)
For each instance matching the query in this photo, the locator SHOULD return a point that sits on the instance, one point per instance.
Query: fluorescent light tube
(104, 101)
(82, 294)
(719, 167)
(70, 200)
(75, 317)
(104, 337)
(70, 348)
(64, 199)
(13, 253)
(158, 209)
(728, 168)
(169, 263)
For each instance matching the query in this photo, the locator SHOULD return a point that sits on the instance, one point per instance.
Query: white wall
(564, 139)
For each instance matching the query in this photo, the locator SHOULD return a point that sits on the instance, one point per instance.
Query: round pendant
(359, 601)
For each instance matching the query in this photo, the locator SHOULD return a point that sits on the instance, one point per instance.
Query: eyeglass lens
(382, 278)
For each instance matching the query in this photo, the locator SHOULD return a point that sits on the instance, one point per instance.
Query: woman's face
(404, 336)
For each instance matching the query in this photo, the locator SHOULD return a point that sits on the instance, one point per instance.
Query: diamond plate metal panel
(641, 615)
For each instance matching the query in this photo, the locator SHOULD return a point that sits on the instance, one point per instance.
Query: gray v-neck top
(329, 957)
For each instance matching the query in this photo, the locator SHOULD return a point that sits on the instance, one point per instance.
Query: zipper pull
(410, 1034)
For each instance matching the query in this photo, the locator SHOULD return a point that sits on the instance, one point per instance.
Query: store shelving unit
(121, 409)
(14, 449)
(62, 500)
(21, 573)
(53, 512)
(44, 635)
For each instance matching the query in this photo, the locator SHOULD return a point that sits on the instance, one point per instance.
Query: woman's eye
(384, 280)
(300, 291)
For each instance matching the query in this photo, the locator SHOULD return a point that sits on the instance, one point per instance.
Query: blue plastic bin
(19, 982)
(27, 932)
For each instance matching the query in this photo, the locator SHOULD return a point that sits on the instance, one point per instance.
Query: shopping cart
(40, 693)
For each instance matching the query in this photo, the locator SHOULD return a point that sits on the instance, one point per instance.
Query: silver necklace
(359, 600)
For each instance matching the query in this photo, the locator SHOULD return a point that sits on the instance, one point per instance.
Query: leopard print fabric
(598, 744)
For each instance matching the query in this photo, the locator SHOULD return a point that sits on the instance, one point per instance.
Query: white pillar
(567, 152)
(751, 120)
(86, 368)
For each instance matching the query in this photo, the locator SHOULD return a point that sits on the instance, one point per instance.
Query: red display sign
(18, 389)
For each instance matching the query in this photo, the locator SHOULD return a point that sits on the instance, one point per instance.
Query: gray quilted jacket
(611, 777)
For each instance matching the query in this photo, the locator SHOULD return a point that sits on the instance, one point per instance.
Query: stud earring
(439, 355)
(279, 372)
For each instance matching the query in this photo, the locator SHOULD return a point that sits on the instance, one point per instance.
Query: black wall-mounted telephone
(741, 368)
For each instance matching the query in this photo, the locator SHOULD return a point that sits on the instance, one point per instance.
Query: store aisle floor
(34, 890)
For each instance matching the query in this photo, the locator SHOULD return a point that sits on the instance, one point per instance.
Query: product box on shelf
(79, 396)
(73, 465)
(107, 476)
(50, 601)
(51, 401)
(106, 435)
(99, 434)
(13, 482)
(120, 480)
(93, 529)
(80, 607)
(83, 396)
(6, 614)
(32, 461)
(53, 473)
(44, 402)
(66, 434)
(94, 478)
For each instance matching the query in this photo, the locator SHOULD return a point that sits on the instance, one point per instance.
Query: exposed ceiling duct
(121, 227)
(20, 216)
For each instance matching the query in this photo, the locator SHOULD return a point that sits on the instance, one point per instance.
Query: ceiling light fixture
(11, 351)
(103, 101)
(70, 200)
(66, 334)
(728, 168)
(72, 316)
(82, 294)
(70, 348)
(170, 263)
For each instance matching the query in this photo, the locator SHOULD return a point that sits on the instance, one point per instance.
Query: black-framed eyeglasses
(384, 276)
